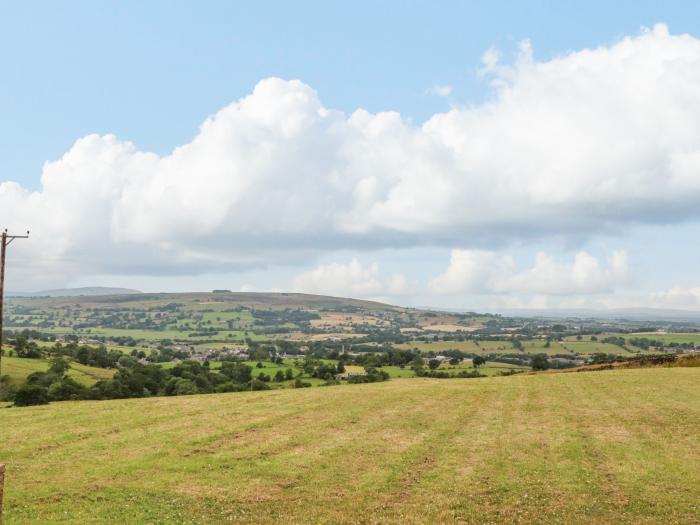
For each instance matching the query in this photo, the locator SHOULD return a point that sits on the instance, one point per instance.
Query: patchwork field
(601, 447)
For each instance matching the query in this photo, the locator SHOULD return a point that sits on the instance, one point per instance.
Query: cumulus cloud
(351, 280)
(589, 141)
(486, 272)
(677, 297)
(440, 90)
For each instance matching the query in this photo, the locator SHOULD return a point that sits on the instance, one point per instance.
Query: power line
(5, 240)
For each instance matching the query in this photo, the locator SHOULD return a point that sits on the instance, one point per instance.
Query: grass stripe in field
(601, 447)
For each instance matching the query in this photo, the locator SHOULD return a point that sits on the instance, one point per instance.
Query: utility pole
(5, 240)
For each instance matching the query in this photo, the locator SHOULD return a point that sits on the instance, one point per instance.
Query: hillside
(18, 369)
(76, 292)
(613, 447)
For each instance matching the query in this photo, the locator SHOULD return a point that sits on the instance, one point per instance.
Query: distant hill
(632, 314)
(76, 292)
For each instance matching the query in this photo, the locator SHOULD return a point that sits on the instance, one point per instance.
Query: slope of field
(612, 447)
(19, 368)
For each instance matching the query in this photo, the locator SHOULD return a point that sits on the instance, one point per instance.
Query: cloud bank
(588, 142)
(486, 272)
(350, 280)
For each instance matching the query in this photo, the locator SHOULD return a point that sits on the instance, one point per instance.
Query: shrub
(258, 385)
(540, 362)
(185, 387)
(28, 395)
(65, 389)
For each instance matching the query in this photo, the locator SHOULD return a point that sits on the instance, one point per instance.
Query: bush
(185, 387)
(7, 391)
(231, 387)
(28, 395)
(540, 362)
(255, 384)
(65, 389)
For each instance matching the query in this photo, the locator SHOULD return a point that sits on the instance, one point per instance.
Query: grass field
(600, 447)
(19, 368)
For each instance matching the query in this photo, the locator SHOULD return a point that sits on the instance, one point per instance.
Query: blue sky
(150, 73)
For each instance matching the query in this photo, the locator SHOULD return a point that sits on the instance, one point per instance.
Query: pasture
(601, 447)
(19, 368)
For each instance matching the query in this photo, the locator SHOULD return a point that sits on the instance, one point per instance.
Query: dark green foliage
(373, 375)
(7, 390)
(540, 362)
(28, 395)
(66, 389)
(258, 385)
(236, 372)
(477, 361)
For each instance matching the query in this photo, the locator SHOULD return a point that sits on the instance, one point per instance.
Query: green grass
(19, 368)
(602, 447)
(668, 338)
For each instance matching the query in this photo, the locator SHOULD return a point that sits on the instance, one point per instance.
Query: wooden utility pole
(5, 240)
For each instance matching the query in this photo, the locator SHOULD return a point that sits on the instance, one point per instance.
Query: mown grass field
(19, 368)
(599, 447)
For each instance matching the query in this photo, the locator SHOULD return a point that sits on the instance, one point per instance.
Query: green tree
(66, 389)
(59, 366)
(478, 361)
(28, 395)
(185, 387)
(540, 362)
(433, 364)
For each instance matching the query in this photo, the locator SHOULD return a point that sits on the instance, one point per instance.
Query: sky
(467, 155)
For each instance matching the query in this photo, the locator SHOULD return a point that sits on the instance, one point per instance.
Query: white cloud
(486, 272)
(676, 297)
(350, 280)
(440, 90)
(590, 141)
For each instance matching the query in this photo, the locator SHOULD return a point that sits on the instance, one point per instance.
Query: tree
(289, 373)
(540, 362)
(65, 389)
(279, 376)
(185, 387)
(59, 366)
(258, 385)
(28, 395)
(237, 372)
(341, 367)
(478, 361)
(455, 361)
(259, 365)
(433, 364)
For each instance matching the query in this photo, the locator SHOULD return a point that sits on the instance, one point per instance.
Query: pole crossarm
(5, 240)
